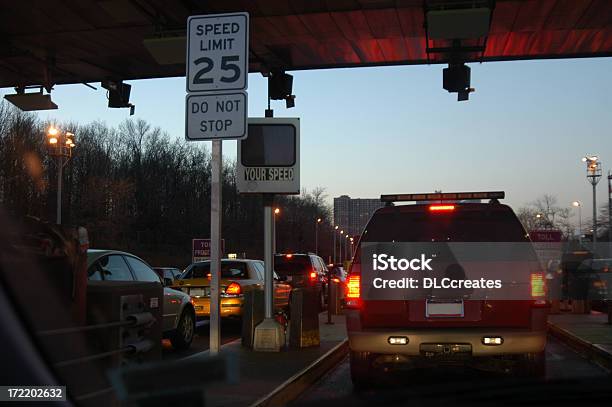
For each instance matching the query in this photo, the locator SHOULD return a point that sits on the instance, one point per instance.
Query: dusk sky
(367, 131)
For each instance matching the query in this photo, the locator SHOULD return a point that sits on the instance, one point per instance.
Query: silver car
(178, 314)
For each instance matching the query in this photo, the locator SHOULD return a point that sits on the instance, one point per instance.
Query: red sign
(545, 235)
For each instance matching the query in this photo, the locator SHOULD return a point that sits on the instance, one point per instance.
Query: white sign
(217, 52)
(269, 158)
(216, 116)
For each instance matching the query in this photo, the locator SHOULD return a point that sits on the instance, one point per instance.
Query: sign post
(216, 109)
(268, 164)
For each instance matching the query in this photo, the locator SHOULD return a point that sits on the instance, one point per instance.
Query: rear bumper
(230, 307)
(515, 341)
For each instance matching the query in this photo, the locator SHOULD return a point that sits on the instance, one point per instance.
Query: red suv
(484, 333)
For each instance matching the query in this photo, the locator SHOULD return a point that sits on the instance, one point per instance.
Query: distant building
(354, 213)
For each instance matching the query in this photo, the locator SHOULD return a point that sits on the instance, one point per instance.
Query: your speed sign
(217, 52)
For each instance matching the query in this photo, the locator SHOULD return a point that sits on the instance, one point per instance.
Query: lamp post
(334, 233)
(609, 213)
(352, 249)
(346, 247)
(340, 245)
(60, 145)
(593, 175)
(317, 236)
(276, 213)
(578, 204)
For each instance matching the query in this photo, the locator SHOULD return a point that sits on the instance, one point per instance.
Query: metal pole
(273, 234)
(580, 223)
(317, 237)
(334, 232)
(340, 248)
(346, 249)
(594, 218)
(610, 213)
(215, 246)
(60, 170)
(268, 256)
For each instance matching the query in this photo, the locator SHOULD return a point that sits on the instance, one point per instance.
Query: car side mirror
(167, 282)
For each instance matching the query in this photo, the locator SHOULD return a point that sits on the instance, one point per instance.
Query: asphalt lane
(429, 387)
(230, 330)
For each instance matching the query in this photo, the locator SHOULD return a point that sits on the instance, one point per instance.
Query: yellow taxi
(237, 276)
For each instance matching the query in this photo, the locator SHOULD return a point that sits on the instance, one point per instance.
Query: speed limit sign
(217, 52)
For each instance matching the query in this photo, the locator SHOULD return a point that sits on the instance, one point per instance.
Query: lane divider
(294, 386)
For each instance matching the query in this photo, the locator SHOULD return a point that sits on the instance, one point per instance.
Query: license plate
(444, 309)
(196, 292)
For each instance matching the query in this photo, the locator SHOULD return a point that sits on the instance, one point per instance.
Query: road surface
(444, 386)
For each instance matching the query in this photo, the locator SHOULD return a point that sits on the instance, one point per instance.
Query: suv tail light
(538, 289)
(353, 291)
(313, 275)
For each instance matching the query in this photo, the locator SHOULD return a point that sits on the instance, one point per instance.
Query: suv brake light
(538, 289)
(443, 208)
(313, 275)
(353, 291)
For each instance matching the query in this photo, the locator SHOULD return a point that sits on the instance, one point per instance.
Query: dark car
(304, 271)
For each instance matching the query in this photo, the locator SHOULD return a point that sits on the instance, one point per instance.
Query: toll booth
(83, 329)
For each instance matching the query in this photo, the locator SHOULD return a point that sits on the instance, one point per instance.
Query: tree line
(137, 188)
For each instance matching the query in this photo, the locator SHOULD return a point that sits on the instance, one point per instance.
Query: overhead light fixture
(280, 86)
(167, 48)
(457, 20)
(31, 101)
(456, 79)
(118, 94)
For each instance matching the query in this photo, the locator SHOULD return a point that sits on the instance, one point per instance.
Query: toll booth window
(142, 271)
(114, 268)
(269, 146)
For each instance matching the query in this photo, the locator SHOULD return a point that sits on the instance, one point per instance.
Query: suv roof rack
(494, 196)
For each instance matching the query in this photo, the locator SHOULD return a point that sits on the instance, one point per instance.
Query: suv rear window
(477, 223)
(294, 265)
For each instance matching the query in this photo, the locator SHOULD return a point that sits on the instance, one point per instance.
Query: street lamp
(317, 236)
(593, 175)
(340, 245)
(276, 213)
(346, 247)
(352, 248)
(578, 204)
(334, 233)
(60, 147)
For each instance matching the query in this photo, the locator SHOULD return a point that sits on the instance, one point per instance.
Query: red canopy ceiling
(72, 41)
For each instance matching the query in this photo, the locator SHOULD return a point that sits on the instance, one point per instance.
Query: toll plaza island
(237, 330)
